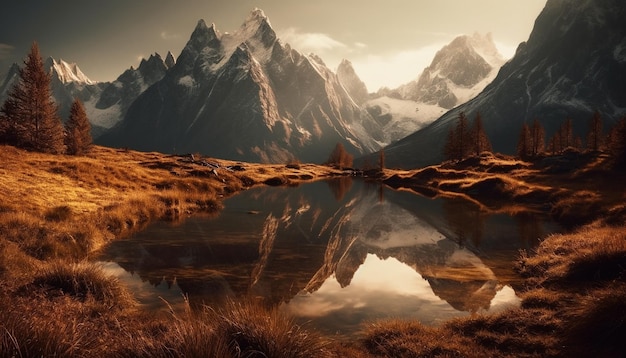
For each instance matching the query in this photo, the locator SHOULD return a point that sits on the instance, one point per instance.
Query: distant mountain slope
(246, 96)
(105, 102)
(457, 73)
(573, 63)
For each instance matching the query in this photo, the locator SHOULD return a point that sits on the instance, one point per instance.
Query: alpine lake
(335, 254)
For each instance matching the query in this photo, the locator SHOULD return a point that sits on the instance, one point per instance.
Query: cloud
(5, 50)
(168, 36)
(394, 69)
(507, 50)
(310, 41)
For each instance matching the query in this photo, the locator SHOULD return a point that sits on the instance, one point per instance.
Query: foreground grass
(573, 307)
(55, 210)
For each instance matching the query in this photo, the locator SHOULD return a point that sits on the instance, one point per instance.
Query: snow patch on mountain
(401, 117)
(102, 117)
(187, 81)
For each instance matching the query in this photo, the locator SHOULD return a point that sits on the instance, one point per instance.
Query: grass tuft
(81, 281)
(597, 328)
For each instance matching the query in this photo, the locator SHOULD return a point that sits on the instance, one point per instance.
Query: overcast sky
(389, 42)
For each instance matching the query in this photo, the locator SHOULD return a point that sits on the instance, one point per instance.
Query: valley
(245, 198)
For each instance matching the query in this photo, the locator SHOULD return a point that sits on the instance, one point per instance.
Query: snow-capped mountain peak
(486, 48)
(67, 72)
(246, 95)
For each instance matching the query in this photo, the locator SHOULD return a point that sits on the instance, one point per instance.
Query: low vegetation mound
(80, 281)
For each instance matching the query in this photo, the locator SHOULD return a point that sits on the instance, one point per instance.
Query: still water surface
(334, 254)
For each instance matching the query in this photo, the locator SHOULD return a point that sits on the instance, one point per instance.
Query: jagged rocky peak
(169, 60)
(152, 69)
(486, 47)
(351, 82)
(66, 72)
(258, 26)
(245, 95)
(204, 36)
(460, 63)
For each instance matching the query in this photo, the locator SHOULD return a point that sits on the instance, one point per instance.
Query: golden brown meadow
(55, 210)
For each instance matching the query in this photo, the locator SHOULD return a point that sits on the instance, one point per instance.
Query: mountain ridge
(247, 96)
(571, 65)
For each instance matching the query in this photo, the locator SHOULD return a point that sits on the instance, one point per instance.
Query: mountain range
(105, 102)
(249, 96)
(573, 64)
(246, 96)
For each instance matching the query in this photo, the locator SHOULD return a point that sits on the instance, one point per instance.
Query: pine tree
(463, 136)
(537, 138)
(566, 134)
(594, 136)
(617, 143)
(449, 150)
(459, 143)
(339, 157)
(524, 142)
(77, 130)
(480, 141)
(29, 115)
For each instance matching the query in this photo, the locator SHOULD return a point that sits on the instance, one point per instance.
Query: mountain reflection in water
(334, 258)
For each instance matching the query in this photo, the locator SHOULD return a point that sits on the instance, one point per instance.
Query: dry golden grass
(59, 206)
(55, 210)
(575, 189)
(593, 253)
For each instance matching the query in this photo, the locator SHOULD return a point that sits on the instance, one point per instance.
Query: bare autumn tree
(77, 130)
(459, 143)
(594, 136)
(480, 141)
(29, 115)
(340, 157)
(381, 160)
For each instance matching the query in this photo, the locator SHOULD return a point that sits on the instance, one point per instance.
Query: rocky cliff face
(246, 96)
(352, 83)
(573, 63)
